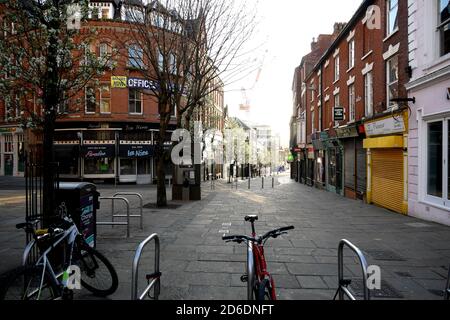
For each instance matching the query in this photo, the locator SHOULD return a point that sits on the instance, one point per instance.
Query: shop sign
(136, 83)
(385, 127)
(135, 151)
(98, 151)
(347, 132)
(339, 114)
(118, 82)
(136, 127)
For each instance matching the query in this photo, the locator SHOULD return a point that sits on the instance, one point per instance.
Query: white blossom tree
(45, 63)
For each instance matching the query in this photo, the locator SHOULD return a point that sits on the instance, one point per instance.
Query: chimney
(314, 44)
(338, 27)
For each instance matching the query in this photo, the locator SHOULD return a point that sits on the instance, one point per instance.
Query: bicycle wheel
(264, 291)
(97, 273)
(24, 283)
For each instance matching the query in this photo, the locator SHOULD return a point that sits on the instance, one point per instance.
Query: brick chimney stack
(314, 44)
(338, 27)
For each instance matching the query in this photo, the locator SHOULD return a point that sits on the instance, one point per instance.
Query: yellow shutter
(387, 178)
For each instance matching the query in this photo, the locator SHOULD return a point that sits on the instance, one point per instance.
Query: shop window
(134, 101)
(392, 16)
(444, 26)
(8, 146)
(99, 166)
(337, 103)
(105, 99)
(435, 147)
(392, 80)
(105, 13)
(127, 167)
(438, 167)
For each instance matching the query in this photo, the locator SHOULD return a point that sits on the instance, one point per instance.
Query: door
(339, 171)
(9, 164)
(387, 178)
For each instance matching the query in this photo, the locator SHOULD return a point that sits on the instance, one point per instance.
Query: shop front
(135, 162)
(12, 152)
(334, 164)
(98, 161)
(387, 161)
(351, 138)
(319, 156)
(310, 165)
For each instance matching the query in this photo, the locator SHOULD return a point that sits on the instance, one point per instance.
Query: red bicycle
(260, 283)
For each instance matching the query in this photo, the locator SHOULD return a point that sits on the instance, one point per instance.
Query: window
(336, 68)
(351, 102)
(135, 56)
(435, 160)
(104, 51)
(392, 80)
(351, 54)
(105, 13)
(134, 101)
(173, 63)
(392, 16)
(444, 26)
(320, 118)
(160, 61)
(313, 120)
(105, 99)
(438, 167)
(95, 13)
(368, 94)
(90, 102)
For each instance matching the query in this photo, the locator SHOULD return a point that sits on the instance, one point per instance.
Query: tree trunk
(161, 196)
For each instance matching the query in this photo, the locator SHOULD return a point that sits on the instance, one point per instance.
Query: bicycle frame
(70, 234)
(257, 267)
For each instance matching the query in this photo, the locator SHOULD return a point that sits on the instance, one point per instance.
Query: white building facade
(429, 123)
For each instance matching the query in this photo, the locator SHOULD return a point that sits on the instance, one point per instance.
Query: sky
(285, 30)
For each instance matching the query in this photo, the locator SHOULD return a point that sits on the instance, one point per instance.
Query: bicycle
(260, 283)
(39, 281)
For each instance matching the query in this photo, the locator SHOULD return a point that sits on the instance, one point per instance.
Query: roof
(360, 11)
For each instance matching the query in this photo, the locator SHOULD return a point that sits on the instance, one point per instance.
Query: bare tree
(189, 49)
(44, 65)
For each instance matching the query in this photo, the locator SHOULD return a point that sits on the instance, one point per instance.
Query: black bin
(81, 201)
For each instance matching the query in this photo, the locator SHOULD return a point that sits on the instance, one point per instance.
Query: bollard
(273, 182)
(262, 182)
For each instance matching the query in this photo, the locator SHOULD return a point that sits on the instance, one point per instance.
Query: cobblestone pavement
(196, 264)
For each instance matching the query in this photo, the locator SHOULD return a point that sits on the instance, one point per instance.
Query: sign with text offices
(122, 82)
(385, 127)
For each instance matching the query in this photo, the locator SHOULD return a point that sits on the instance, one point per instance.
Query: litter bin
(81, 202)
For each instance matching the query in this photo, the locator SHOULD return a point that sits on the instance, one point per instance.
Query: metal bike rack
(113, 223)
(155, 283)
(141, 206)
(343, 283)
(447, 287)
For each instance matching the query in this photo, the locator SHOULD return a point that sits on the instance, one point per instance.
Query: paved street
(196, 264)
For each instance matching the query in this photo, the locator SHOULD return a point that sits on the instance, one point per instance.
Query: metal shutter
(387, 178)
(349, 159)
(361, 167)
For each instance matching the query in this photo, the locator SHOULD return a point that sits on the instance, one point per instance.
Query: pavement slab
(413, 255)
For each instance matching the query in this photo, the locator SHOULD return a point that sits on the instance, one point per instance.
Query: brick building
(355, 124)
(111, 134)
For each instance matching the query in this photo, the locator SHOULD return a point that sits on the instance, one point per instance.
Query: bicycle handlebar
(270, 234)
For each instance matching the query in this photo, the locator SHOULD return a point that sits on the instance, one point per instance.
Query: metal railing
(447, 287)
(117, 223)
(343, 284)
(141, 206)
(155, 277)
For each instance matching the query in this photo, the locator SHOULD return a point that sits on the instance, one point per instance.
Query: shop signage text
(339, 114)
(98, 151)
(118, 82)
(135, 151)
(385, 127)
(347, 132)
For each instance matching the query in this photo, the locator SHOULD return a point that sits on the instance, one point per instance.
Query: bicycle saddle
(251, 218)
